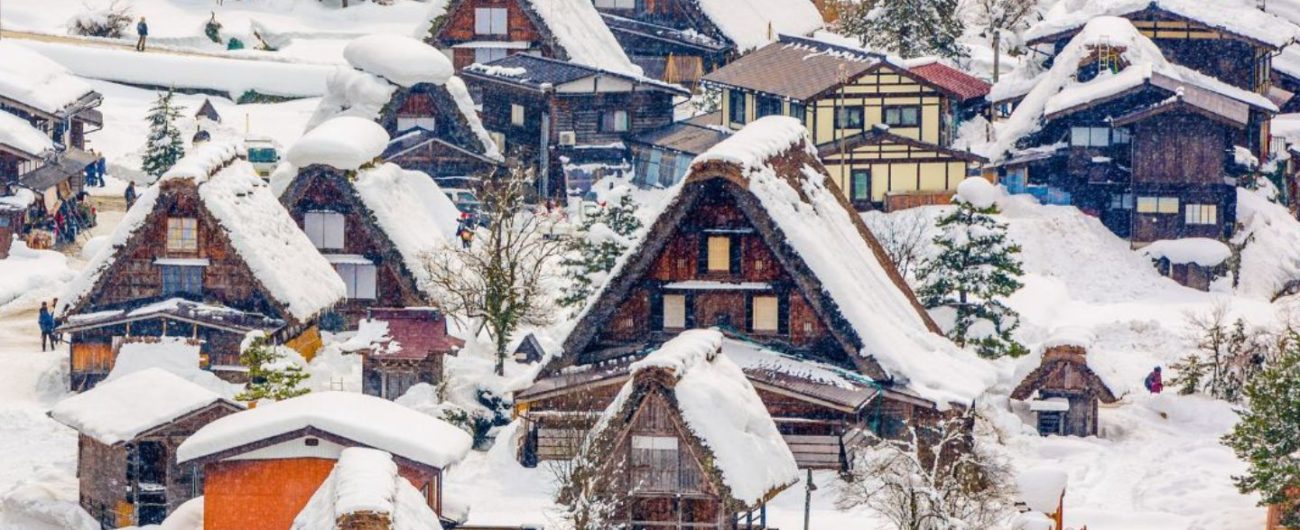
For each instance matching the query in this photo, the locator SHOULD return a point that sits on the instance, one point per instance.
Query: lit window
(719, 254)
(1167, 205)
(674, 311)
(324, 229)
(182, 234)
(1157, 204)
(902, 116)
(359, 278)
(490, 21)
(765, 313)
(517, 114)
(1202, 214)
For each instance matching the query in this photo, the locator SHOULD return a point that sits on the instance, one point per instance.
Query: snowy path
(129, 45)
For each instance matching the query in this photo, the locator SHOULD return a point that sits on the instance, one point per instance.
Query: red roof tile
(417, 333)
(961, 84)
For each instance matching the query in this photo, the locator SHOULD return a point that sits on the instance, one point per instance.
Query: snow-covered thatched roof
(720, 407)
(402, 60)
(281, 258)
(367, 421)
(17, 133)
(1238, 17)
(33, 80)
(123, 408)
(343, 142)
(366, 482)
(579, 30)
(412, 211)
(1058, 91)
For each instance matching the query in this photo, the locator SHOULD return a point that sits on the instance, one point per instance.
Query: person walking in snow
(46, 321)
(1155, 383)
(466, 237)
(141, 29)
(101, 169)
(129, 195)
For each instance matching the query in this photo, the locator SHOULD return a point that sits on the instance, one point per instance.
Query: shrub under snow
(109, 21)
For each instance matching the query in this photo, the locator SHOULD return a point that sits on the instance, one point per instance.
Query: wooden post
(807, 501)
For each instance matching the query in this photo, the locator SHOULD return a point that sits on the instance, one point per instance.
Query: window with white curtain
(324, 229)
(360, 279)
(490, 20)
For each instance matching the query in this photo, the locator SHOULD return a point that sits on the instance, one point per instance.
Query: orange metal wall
(260, 494)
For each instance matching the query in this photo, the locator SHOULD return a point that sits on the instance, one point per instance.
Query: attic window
(324, 229)
(182, 234)
(616, 4)
(490, 21)
(311, 442)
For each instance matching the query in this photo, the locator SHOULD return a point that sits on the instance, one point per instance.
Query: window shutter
(749, 312)
(499, 16)
(690, 311)
(314, 225)
(735, 254)
(366, 282)
(702, 257)
(783, 313)
(334, 230)
(656, 310)
(482, 21)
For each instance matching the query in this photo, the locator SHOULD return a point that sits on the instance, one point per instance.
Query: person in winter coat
(101, 169)
(129, 195)
(466, 237)
(141, 29)
(1155, 383)
(46, 321)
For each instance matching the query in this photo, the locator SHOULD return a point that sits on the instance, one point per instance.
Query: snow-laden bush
(109, 21)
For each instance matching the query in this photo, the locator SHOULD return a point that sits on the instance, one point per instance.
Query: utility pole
(807, 501)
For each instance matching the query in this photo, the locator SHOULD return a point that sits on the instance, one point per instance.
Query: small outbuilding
(207, 110)
(686, 440)
(366, 491)
(129, 430)
(1064, 392)
(407, 347)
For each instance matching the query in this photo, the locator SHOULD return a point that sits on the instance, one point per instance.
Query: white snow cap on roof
(1070, 336)
(412, 211)
(119, 410)
(1041, 488)
(279, 254)
(19, 134)
(367, 420)
(582, 33)
(819, 228)
(345, 142)
(366, 481)
(1202, 251)
(398, 58)
(755, 23)
(1241, 17)
(1058, 88)
(32, 79)
(721, 407)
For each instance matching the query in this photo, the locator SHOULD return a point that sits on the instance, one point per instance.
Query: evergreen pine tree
(910, 28)
(270, 374)
(605, 235)
(1191, 374)
(164, 146)
(1268, 436)
(975, 269)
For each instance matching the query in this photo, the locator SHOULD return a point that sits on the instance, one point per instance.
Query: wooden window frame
(1201, 214)
(897, 112)
(664, 312)
(487, 20)
(736, 103)
(181, 279)
(182, 234)
(717, 263)
(518, 115)
(850, 117)
(759, 319)
(353, 283)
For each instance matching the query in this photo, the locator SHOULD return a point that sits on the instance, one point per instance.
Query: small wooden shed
(339, 502)
(407, 348)
(126, 452)
(1064, 393)
(207, 110)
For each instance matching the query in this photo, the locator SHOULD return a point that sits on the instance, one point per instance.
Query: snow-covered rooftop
(755, 23)
(412, 211)
(367, 481)
(578, 28)
(1239, 17)
(720, 407)
(19, 134)
(31, 79)
(344, 142)
(1202, 251)
(1058, 89)
(398, 58)
(123, 408)
(279, 254)
(367, 420)
(1041, 489)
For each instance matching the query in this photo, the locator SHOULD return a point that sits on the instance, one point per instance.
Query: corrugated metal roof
(682, 137)
(960, 84)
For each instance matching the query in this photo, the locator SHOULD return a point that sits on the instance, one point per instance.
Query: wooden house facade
(1064, 393)
(262, 466)
(129, 477)
(847, 98)
(663, 473)
(718, 257)
(199, 256)
(565, 117)
(484, 31)
(410, 348)
(435, 133)
(1153, 152)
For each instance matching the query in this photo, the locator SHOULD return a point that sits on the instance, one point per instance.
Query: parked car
(467, 202)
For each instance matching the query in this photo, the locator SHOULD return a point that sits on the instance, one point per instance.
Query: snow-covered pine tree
(975, 269)
(910, 28)
(605, 235)
(164, 146)
(270, 374)
(1268, 436)
(1191, 374)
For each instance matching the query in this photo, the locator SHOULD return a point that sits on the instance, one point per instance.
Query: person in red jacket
(1155, 383)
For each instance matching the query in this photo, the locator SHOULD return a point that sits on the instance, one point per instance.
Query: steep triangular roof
(771, 170)
(1064, 365)
(289, 272)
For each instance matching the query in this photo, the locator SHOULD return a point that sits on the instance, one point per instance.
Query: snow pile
(580, 31)
(28, 272)
(821, 230)
(1270, 261)
(366, 481)
(400, 59)
(1058, 89)
(44, 500)
(978, 192)
(172, 354)
(1202, 251)
(32, 79)
(756, 23)
(118, 410)
(365, 420)
(1241, 17)
(412, 212)
(721, 407)
(350, 92)
(1041, 489)
(187, 516)
(345, 142)
(19, 134)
